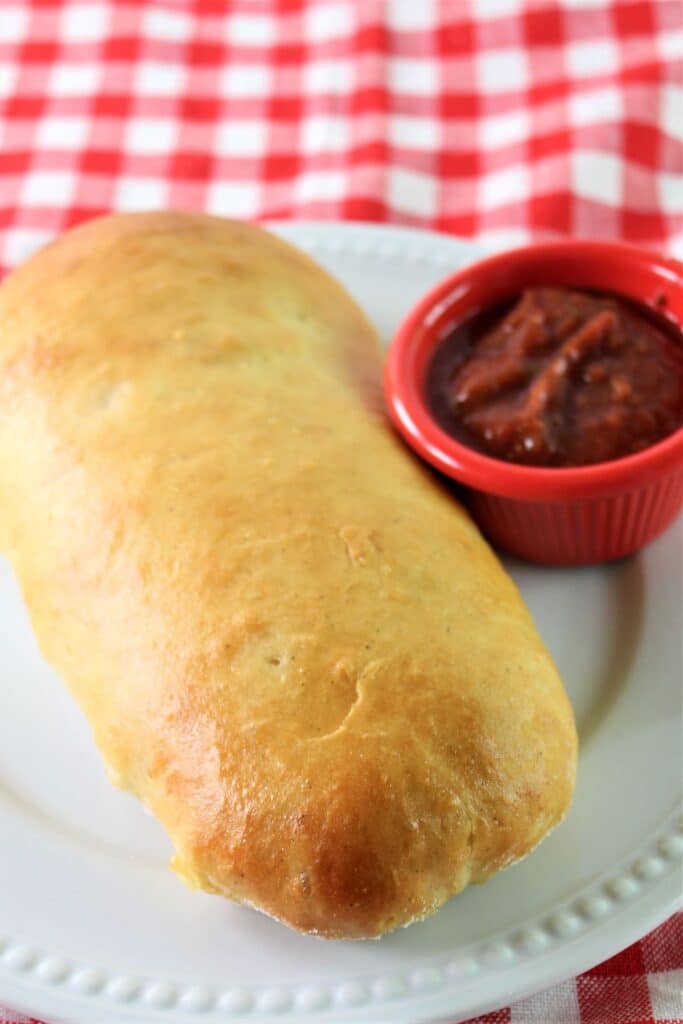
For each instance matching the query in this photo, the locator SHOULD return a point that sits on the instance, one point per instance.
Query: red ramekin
(572, 516)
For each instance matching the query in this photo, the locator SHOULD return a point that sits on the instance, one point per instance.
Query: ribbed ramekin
(567, 516)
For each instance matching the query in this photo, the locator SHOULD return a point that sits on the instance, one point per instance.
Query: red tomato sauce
(559, 378)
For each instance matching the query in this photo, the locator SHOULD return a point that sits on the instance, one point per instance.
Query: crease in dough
(355, 704)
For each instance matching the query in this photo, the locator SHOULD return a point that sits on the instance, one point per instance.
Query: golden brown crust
(291, 644)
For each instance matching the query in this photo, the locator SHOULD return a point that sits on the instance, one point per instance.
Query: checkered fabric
(501, 120)
(496, 119)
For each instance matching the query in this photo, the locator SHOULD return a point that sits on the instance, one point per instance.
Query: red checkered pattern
(497, 119)
(502, 120)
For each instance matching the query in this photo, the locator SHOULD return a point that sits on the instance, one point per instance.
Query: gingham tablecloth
(502, 120)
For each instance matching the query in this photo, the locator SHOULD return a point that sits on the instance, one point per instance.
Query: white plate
(94, 928)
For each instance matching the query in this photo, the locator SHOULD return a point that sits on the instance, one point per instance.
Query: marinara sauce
(559, 378)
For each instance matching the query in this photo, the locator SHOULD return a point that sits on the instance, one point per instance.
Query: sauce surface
(559, 378)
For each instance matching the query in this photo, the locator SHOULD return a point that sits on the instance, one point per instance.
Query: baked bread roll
(290, 642)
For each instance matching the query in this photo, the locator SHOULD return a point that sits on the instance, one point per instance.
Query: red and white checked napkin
(502, 120)
(496, 119)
